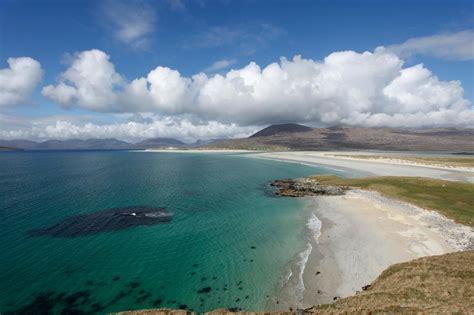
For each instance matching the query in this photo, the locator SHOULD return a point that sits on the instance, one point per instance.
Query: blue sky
(215, 36)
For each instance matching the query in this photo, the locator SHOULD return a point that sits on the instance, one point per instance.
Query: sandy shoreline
(361, 167)
(197, 151)
(362, 233)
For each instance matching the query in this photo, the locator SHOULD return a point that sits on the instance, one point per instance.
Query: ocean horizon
(227, 242)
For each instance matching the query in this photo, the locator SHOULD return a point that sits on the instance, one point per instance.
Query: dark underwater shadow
(104, 221)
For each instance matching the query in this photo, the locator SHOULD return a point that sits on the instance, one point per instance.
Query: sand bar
(196, 151)
(389, 167)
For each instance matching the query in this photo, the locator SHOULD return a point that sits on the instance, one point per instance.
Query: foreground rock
(305, 187)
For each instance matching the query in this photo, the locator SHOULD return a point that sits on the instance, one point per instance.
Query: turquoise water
(222, 207)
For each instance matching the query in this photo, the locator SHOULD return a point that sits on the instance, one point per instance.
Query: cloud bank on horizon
(371, 89)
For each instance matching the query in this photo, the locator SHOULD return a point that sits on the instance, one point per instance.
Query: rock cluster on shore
(305, 187)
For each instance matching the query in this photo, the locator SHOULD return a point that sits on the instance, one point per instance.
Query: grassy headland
(455, 200)
(435, 284)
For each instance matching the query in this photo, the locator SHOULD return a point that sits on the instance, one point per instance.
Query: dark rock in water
(96, 307)
(57, 303)
(119, 296)
(134, 284)
(204, 290)
(305, 187)
(142, 298)
(103, 221)
(157, 302)
(182, 306)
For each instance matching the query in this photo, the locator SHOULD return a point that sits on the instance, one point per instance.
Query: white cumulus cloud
(369, 88)
(89, 82)
(72, 127)
(18, 81)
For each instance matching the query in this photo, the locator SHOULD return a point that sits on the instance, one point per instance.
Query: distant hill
(91, 144)
(354, 138)
(288, 137)
(279, 129)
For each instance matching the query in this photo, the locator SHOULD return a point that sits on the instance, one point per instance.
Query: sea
(228, 242)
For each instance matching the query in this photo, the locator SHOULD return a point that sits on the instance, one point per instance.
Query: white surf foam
(314, 224)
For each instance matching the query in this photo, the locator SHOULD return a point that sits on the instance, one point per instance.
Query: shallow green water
(222, 207)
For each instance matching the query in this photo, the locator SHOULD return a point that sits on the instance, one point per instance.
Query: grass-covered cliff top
(455, 200)
(435, 284)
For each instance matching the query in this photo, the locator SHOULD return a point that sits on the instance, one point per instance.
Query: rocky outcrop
(305, 187)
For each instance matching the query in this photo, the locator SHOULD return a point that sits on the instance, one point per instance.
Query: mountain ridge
(281, 128)
(90, 144)
(287, 137)
(358, 138)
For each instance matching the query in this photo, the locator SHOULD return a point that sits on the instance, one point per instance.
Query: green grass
(452, 199)
(434, 284)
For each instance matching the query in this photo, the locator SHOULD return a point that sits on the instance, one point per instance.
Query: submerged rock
(104, 221)
(305, 187)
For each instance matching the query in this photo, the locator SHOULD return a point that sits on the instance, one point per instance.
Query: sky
(199, 69)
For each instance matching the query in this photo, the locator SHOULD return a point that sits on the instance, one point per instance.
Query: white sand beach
(388, 167)
(196, 151)
(363, 233)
